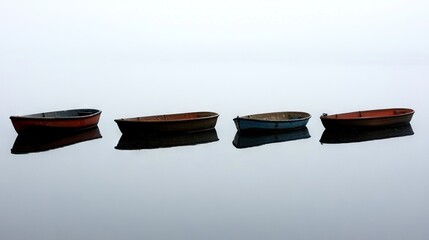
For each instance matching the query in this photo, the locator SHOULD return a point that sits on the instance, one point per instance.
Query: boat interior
(65, 114)
(371, 114)
(280, 116)
(177, 116)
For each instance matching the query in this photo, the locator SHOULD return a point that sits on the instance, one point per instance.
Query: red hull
(69, 120)
(369, 119)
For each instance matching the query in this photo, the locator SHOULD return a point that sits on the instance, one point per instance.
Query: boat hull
(369, 119)
(181, 122)
(58, 121)
(277, 121)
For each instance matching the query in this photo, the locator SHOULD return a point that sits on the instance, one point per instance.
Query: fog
(296, 31)
(135, 58)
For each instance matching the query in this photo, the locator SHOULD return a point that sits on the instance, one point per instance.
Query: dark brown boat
(368, 119)
(179, 122)
(59, 121)
(31, 143)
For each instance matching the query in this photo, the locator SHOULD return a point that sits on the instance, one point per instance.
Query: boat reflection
(39, 142)
(253, 139)
(361, 135)
(151, 141)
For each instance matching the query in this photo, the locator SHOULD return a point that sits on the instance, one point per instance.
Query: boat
(368, 118)
(167, 140)
(361, 135)
(32, 143)
(274, 121)
(178, 122)
(253, 139)
(58, 121)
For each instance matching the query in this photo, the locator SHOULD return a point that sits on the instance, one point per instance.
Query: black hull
(30, 143)
(152, 141)
(362, 135)
(253, 139)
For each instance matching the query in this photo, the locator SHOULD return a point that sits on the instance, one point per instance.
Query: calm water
(297, 189)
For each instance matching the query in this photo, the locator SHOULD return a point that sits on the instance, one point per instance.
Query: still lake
(299, 189)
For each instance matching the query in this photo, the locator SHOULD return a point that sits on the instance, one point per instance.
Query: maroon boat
(179, 122)
(369, 118)
(58, 121)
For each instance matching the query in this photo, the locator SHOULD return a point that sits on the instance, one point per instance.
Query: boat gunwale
(35, 115)
(144, 119)
(248, 117)
(333, 118)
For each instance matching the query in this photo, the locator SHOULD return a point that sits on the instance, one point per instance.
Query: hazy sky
(57, 55)
(215, 30)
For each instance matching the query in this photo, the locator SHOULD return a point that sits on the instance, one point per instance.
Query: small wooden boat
(275, 121)
(31, 143)
(253, 139)
(176, 139)
(179, 122)
(68, 120)
(368, 134)
(369, 118)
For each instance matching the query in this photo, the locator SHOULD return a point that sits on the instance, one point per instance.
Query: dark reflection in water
(252, 139)
(39, 142)
(150, 141)
(361, 135)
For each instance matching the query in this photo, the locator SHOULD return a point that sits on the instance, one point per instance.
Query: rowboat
(368, 134)
(178, 122)
(31, 143)
(58, 121)
(274, 121)
(258, 138)
(167, 140)
(368, 119)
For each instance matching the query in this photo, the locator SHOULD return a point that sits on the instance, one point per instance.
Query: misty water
(298, 189)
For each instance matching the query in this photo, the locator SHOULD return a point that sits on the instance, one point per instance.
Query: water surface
(298, 189)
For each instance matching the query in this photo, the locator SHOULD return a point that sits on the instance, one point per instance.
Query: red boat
(59, 121)
(369, 118)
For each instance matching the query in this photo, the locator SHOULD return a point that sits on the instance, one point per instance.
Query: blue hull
(264, 123)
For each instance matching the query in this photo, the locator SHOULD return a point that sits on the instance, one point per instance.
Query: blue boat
(274, 121)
